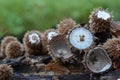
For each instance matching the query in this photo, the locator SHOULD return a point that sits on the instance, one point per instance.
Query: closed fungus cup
(100, 20)
(5, 42)
(113, 48)
(115, 29)
(47, 36)
(80, 38)
(14, 49)
(33, 42)
(97, 60)
(6, 72)
(65, 25)
(59, 48)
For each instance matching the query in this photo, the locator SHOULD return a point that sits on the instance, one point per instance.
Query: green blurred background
(18, 16)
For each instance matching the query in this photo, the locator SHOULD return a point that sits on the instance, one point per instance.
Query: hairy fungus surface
(14, 49)
(100, 20)
(65, 25)
(115, 30)
(113, 47)
(6, 72)
(5, 42)
(32, 42)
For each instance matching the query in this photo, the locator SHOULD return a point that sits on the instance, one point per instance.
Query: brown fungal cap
(59, 47)
(5, 41)
(115, 29)
(6, 72)
(32, 42)
(97, 60)
(80, 37)
(100, 20)
(14, 49)
(65, 25)
(113, 47)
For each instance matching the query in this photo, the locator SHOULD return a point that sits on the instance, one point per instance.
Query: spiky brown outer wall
(115, 29)
(99, 24)
(65, 25)
(113, 48)
(14, 49)
(47, 38)
(4, 43)
(33, 48)
(6, 72)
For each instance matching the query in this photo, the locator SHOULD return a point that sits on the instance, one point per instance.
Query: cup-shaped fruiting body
(14, 49)
(59, 48)
(97, 60)
(65, 25)
(47, 36)
(113, 48)
(115, 29)
(100, 20)
(5, 42)
(6, 72)
(33, 42)
(80, 38)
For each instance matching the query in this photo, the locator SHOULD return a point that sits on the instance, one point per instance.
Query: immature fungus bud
(5, 42)
(47, 36)
(6, 72)
(65, 25)
(32, 42)
(14, 49)
(115, 29)
(97, 60)
(113, 47)
(80, 37)
(60, 48)
(100, 20)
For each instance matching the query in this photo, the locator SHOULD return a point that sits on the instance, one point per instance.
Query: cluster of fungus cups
(11, 47)
(58, 43)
